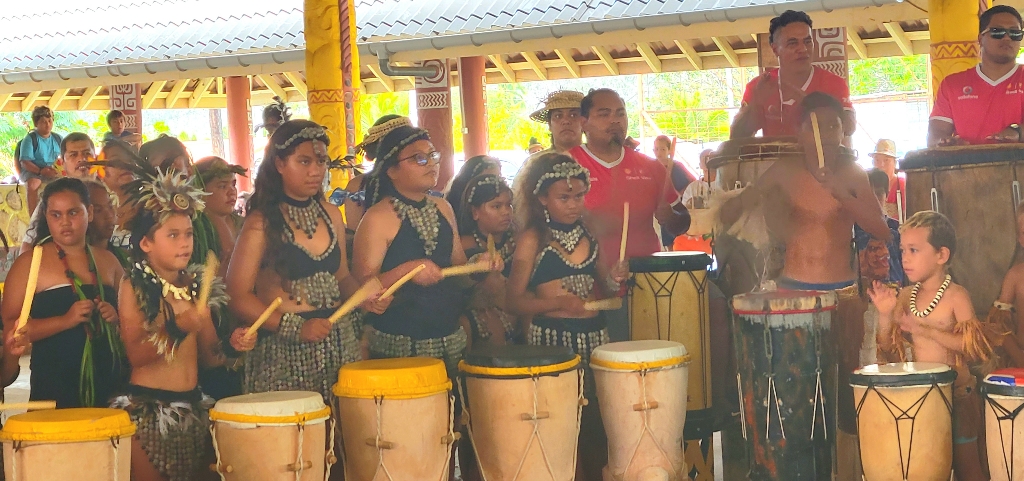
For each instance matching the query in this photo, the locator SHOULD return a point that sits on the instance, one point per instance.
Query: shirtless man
(939, 333)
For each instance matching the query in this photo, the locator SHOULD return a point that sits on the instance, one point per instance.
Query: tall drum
(279, 435)
(84, 444)
(1004, 425)
(785, 351)
(904, 421)
(525, 404)
(978, 188)
(395, 417)
(641, 386)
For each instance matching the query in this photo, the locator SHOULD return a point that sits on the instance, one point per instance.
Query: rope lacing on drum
(904, 415)
(819, 396)
(216, 451)
(378, 402)
(114, 444)
(299, 465)
(645, 410)
(772, 397)
(535, 435)
(328, 463)
(451, 434)
(1002, 415)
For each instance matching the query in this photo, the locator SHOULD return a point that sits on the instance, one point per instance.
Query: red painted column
(434, 113)
(128, 99)
(472, 87)
(240, 126)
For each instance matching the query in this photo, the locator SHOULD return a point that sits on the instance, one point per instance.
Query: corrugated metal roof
(69, 34)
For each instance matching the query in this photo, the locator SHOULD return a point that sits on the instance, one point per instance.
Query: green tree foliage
(888, 75)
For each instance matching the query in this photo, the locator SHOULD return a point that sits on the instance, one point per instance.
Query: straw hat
(562, 99)
(885, 147)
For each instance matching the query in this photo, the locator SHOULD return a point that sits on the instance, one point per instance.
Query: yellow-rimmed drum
(87, 444)
(1004, 401)
(525, 404)
(904, 420)
(281, 435)
(396, 418)
(641, 387)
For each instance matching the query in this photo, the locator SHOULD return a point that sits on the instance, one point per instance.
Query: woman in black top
(78, 359)
(478, 165)
(402, 228)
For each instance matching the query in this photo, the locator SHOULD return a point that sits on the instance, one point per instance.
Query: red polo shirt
(787, 122)
(633, 178)
(978, 106)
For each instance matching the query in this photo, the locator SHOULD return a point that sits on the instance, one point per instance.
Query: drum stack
(668, 300)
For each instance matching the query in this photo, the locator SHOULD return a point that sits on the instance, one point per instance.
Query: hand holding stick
(263, 317)
(817, 140)
(466, 269)
(609, 304)
(625, 231)
(358, 297)
(406, 278)
(30, 288)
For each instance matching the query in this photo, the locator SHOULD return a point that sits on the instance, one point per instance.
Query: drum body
(641, 386)
(785, 350)
(977, 188)
(259, 436)
(525, 404)
(395, 415)
(1004, 426)
(87, 444)
(904, 421)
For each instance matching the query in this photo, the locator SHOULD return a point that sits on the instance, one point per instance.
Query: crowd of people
(125, 232)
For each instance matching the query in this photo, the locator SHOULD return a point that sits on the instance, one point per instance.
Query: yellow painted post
(326, 96)
(953, 26)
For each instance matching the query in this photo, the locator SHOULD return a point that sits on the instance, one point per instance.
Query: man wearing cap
(884, 158)
(561, 111)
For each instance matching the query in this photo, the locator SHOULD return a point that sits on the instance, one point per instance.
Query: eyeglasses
(998, 33)
(421, 159)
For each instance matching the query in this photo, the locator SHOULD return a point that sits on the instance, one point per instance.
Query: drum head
(902, 374)
(674, 261)
(784, 302)
(68, 425)
(957, 156)
(1004, 382)
(400, 378)
(632, 355)
(277, 404)
(518, 361)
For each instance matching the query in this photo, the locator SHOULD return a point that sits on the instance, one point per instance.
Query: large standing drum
(785, 350)
(84, 444)
(280, 435)
(641, 386)
(525, 405)
(396, 419)
(1004, 426)
(904, 421)
(978, 188)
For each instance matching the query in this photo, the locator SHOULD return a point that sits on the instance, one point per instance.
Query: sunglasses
(421, 159)
(998, 33)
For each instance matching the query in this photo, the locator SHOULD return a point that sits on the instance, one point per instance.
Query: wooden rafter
(502, 66)
(297, 82)
(900, 36)
(649, 56)
(272, 84)
(26, 105)
(4, 98)
(570, 63)
(388, 83)
(856, 43)
(727, 50)
(87, 97)
(150, 96)
(199, 91)
(536, 65)
(687, 48)
(606, 59)
(176, 93)
(57, 97)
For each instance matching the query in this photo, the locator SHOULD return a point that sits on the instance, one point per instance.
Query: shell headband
(308, 133)
(567, 171)
(490, 183)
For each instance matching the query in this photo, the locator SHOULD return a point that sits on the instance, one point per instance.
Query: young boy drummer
(166, 330)
(937, 317)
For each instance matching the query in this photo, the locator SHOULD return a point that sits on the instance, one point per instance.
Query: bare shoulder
(254, 220)
(1016, 274)
(380, 211)
(958, 296)
(443, 206)
(527, 240)
(333, 211)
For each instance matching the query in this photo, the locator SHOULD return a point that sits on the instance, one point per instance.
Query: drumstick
(899, 206)
(209, 274)
(625, 231)
(817, 140)
(263, 317)
(29, 406)
(30, 287)
(363, 293)
(493, 251)
(466, 269)
(609, 304)
(406, 278)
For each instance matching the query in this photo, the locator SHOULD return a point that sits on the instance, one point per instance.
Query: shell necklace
(933, 304)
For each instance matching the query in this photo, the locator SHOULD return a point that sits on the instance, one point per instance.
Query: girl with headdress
(555, 271)
(479, 165)
(485, 224)
(403, 228)
(274, 115)
(78, 358)
(167, 333)
(291, 246)
(354, 200)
